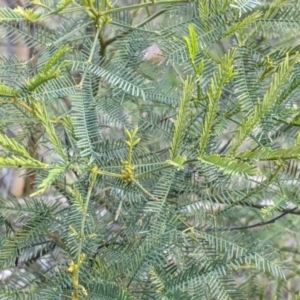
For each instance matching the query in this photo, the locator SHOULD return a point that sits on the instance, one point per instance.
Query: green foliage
(155, 178)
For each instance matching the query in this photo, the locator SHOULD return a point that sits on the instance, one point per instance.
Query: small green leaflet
(230, 166)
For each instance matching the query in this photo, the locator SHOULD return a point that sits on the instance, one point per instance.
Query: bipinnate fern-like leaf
(150, 179)
(278, 80)
(85, 120)
(245, 5)
(224, 75)
(28, 14)
(20, 162)
(125, 80)
(230, 166)
(9, 15)
(244, 24)
(53, 175)
(270, 154)
(13, 146)
(24, 238)
(56, 87)
(63, 4)
(7, 91)
(180, 122)
(41, 113)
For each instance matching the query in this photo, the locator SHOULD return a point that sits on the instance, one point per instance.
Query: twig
(255, 225)
(260, 206)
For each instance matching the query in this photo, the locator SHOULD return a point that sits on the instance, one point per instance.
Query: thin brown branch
(103, 45)
(272, 221)
(261, 206)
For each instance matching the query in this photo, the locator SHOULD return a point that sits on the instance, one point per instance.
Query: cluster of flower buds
(127, 172)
